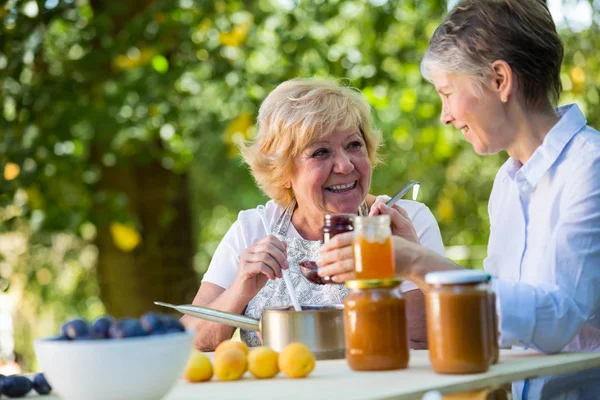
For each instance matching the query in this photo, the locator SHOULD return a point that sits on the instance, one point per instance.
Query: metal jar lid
(373, 283)
(456, 277)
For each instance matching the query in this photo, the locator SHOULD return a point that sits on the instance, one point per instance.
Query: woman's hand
(401, 224)
(260, 262)
(336, 258)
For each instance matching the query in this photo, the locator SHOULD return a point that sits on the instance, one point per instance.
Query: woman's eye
(320, 153)
(355, 145)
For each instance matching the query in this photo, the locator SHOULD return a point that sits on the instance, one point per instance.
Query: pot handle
(210, 314)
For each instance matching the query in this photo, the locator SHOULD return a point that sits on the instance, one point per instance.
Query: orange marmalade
(459, 324)
(375, 325)
(373, 252)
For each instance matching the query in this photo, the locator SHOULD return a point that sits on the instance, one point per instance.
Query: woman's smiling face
(480, 117)
(332, 174)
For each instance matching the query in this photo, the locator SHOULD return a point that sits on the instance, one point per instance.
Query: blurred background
(118, 123)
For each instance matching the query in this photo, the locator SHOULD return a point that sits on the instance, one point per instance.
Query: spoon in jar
(284, 272)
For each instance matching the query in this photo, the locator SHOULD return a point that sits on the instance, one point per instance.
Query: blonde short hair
(295, 114)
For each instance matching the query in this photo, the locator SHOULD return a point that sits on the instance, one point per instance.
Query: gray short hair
(475, 33)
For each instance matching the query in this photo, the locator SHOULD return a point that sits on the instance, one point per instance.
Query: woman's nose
(445, 116)
(343, 164)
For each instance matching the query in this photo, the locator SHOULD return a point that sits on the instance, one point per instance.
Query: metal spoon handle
(402, 192)
(210, 314)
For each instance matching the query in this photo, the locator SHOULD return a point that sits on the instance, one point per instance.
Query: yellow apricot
(296, 360)
(262, 362)
(230, 364)
(231, 344)
(199, 368)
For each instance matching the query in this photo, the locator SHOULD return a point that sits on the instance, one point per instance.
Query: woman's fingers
(334, 255)
(336, 258)
(267, 256)
(343, 266)
(338, 241)
(344, 277)
(267, 261)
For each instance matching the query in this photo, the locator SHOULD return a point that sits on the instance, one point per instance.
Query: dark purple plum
(15, 386)
(77, 328)
(172, 324)
(153, 323)
(126, 328)
(101, 326)
(40, 384)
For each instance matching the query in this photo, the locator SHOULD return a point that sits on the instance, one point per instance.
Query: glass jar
(337, 223)
(333, 224)
(375, 325)
(457, 304)
(373, 252)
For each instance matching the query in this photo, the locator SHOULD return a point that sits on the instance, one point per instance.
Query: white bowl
(141, 368)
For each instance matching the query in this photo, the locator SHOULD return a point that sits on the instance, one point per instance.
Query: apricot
(230, 364)
(296, 360)
(231, 344)
(262, 362)
(199, 368)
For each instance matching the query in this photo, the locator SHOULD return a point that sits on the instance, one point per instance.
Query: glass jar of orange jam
(457, 304)
(375, 325)
(373, 252)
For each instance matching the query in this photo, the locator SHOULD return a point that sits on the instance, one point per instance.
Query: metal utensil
(284, 272)
(405, 190)
(320, 327)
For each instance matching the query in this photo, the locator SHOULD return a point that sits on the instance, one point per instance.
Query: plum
(101, 326)
(40, 384)
(125, 328)
(77, 328)
(153, 323)
(172, 324)
(15, 386)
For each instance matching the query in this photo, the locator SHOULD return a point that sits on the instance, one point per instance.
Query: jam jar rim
(373, 283)
(457, 277)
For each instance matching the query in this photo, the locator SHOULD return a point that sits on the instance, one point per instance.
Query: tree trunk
(161, 267)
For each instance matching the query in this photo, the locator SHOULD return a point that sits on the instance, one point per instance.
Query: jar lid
(456, 277)
(373, 283)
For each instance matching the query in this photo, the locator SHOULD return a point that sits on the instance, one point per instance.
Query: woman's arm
(210, 334)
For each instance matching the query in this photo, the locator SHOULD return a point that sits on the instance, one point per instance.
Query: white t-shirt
(249, 228)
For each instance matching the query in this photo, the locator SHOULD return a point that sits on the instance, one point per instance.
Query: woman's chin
(349, 206)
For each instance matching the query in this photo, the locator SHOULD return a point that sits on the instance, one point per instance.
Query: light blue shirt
(544, 253)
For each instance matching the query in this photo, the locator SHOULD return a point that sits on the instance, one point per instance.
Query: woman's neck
(307, 225)
(531, 128)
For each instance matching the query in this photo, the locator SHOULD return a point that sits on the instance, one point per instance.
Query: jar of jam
(333, 224)
(375, 325)
(373, 252)
(337, 223)
(457, 304)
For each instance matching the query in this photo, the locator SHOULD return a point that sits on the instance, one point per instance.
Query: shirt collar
(570, 123)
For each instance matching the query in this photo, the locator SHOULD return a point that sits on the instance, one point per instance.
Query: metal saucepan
(320, 327)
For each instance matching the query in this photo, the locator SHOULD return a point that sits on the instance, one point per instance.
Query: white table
(335, 380)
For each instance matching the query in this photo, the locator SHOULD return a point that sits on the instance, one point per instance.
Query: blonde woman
(313, 155)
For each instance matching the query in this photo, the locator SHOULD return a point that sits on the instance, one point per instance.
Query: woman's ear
(502, 79)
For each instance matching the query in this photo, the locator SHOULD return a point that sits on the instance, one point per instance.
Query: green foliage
(91, 84)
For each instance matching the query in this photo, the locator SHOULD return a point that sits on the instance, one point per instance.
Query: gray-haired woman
(496, 65)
